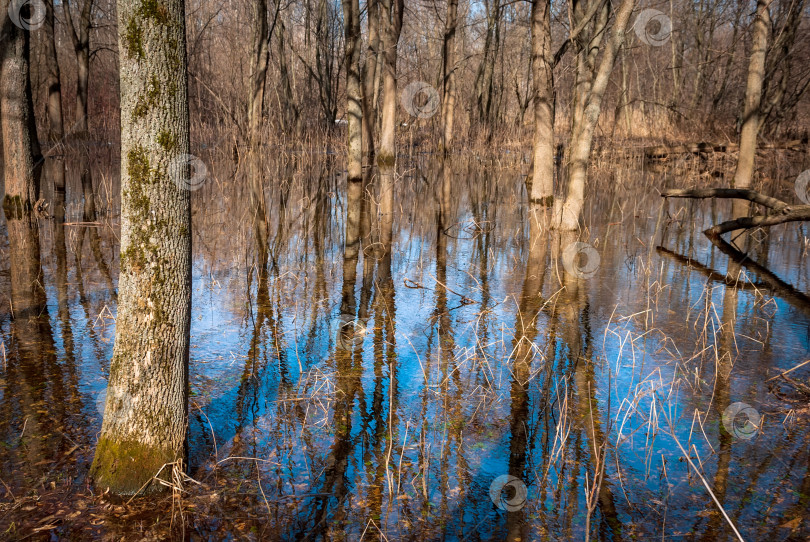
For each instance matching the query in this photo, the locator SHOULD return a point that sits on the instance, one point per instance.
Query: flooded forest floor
(483, 378)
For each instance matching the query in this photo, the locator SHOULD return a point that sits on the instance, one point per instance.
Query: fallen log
(781, 212)
(663, 151)
(790, 214)
(736, 193)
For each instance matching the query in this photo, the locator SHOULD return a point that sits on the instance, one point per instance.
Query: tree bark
(258, 73)
(145, 417)
(391, 18)
(486, 70)
(568, 215)
(369, 78)
(20, 147)
(291, 113)
(354, 98)
(753, 96)
(542, 182)
(587, 43)
(449, 74)
(53, 79)
(258, 81)
(80, 37)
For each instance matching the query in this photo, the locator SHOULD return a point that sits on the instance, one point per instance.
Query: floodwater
(418, 358)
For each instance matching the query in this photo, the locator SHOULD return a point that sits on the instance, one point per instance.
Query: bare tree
(753, 95)
(79, 32)
(370, 77)
(542, 180)
(449, 74)
(391, 17)
(145, 416)
(354, 98)
(258, 83)
(258, 73)
(591, 82)
(781, 89)
(53, 78)
(20, 148)
(484, 79)
(288, 106)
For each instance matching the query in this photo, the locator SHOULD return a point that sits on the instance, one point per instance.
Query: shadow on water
(418, 356)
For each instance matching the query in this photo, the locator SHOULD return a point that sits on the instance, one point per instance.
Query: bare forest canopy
(680, 75)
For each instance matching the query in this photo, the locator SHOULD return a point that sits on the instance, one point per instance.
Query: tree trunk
(568, 215)
(449, 74)
(391, 28)
(83, 65)
(354, 98)
(80, 37)
(291, 114)
(258, 84)
(592, 16)
(753, 96)
(779, 67)
(145, 416)
(486, 70)
(54, 79)
(369, 77)
(258, 74)
(20, 148)
(542, 186)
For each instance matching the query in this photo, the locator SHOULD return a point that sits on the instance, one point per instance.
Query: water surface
(407, 343)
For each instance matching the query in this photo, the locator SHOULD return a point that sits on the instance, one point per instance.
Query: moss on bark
(15, 207)
(385, 159)
(547, 201)
(125, 467)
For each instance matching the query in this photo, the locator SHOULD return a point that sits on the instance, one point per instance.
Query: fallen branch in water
(736, 193)
(782, 212)
(789, 370)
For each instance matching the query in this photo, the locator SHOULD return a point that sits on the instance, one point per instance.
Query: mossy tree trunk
(145, 416)
(354, 98)
(542, 186)
(391, 29)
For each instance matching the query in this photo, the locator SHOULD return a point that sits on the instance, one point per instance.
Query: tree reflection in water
(368, 359)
